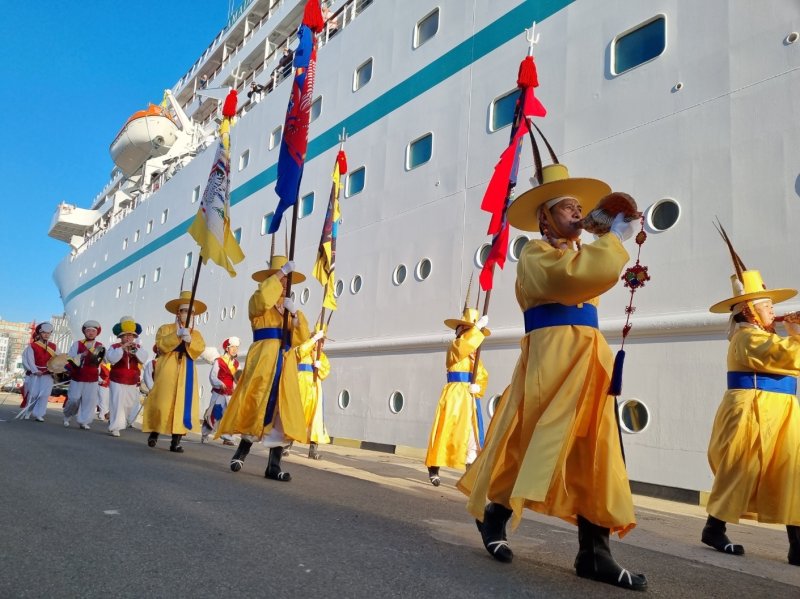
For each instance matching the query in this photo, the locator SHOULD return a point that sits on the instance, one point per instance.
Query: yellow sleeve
(464, 346)
(325, 367)
(482, 379)
(197, 346)
(268, 293)
(300, 333)
(167, 339)
(306, 350)
(546, 274)
(767, 352)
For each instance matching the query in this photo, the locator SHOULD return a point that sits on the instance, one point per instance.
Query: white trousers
(102, 401)
(123, 401)
(37, 390)
(81, 402)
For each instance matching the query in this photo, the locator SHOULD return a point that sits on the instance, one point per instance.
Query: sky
(73, 73)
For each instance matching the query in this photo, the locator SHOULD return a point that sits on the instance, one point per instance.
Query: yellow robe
(311, 390)
(553, 445)
(248, 404)
(165, 406)
(754, 449)
(456, 415)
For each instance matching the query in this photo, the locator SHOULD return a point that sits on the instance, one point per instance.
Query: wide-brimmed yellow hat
(275, 264)
(751, 287)
(468, 319)
(198, 307)
(556, 183)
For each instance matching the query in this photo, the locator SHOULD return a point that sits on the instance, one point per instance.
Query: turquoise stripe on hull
(466, 53)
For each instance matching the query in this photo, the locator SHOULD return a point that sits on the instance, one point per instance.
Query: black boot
(237, 461)
(273, 470)
(794, 544)
(714, 536)
(493, 532)
(313, 453)
(152, 440)
(176, 446)
(433, 475)
(594, 559)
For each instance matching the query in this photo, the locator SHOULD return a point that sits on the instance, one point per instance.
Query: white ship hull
(711, 123)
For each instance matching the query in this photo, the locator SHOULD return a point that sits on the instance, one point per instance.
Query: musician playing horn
(126, 358)
(38, 380)
(84, 367)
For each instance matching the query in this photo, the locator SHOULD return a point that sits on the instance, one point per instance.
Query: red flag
(501, 186)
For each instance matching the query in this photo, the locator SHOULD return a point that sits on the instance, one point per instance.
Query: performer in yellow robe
(313, 368)
(172, 404)
(456, 432)
(754, 449)
(266, 405)
(554, 445)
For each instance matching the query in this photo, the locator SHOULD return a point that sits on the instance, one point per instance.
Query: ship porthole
(355, 284)
(304, 295)
(492, 405)
(224, 314)
(481, 254)
(516, 246)
(662, 215)
(205, 318)
(399, 274)
(396, 402)
(338, 288)
(344, 399)
(634, 416)
(423, 270)
(233, 311)
(294, 296)
(792, 37)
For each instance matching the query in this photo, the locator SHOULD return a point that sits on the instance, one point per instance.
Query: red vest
(225, 375)
(126, 371)
(41, 356)
(86, 373)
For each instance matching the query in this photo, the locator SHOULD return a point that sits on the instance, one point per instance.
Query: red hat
(230, 341)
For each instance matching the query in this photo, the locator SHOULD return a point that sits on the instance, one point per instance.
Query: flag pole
(533, 39)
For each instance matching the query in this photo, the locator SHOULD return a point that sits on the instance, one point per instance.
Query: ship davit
(147, 134)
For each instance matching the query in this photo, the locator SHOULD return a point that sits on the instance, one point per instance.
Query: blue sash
(558, 315)
(459, 377)
(776, 383)
(305, 368)
(187, 392)
(480, 422)
(268, 333)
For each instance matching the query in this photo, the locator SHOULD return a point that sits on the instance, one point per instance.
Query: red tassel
(527, 76)
(312, 17)
(229, 107)
(342, 160)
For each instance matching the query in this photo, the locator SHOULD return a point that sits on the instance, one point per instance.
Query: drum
(58, 366)
(599, 220)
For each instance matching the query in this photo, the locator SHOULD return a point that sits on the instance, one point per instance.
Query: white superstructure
(707, 127)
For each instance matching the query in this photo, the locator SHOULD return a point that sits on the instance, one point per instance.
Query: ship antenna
(469, 290)
(738, 265)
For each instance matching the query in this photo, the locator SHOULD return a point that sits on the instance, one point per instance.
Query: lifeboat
(147, 134)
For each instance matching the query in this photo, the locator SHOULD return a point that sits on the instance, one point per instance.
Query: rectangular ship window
(237, 235)
(156, 274)
(362, 75)
(187, 260)
(164, 215)
(266, 221)
(275, 137)
(355, 182)
(306, 205)
(244, 160)
(639, 45)
(502, 110)
(142, 281)
(195, 194)
(149, 226)
(316, 109)
(419, 151)
(426, 28)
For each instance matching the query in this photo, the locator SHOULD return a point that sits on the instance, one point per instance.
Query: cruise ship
(688, 106)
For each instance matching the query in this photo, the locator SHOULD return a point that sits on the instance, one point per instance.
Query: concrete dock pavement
(88, 515)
